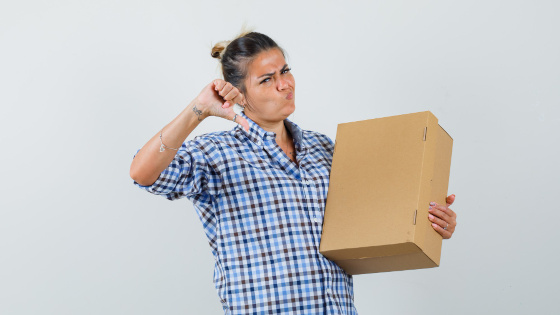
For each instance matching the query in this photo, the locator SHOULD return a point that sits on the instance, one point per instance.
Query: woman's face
(270, 87)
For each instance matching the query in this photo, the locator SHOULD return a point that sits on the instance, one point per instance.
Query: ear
(243, 101)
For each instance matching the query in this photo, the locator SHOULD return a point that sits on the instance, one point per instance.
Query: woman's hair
(235, 56)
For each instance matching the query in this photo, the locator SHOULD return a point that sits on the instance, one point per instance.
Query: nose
(282, 84)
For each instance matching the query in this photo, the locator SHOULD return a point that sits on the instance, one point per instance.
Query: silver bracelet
(163, 146)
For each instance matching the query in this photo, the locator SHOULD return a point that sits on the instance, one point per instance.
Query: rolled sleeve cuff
(166, 181)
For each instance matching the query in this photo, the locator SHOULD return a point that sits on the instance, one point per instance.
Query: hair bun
(219, 49)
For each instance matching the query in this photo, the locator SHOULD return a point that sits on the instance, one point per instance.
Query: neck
(277, 127)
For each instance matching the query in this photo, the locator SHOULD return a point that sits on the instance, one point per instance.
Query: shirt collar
(258, 135)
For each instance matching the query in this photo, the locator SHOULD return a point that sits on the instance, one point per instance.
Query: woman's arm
(149, 162)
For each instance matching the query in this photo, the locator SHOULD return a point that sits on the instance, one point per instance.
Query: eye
(265, 80)
(286, 70)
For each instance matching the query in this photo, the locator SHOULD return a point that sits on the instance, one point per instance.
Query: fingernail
(432, 203)
(430, 216)
(434, 225)
(430, 208)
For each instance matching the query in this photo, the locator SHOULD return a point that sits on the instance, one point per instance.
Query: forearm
(149, 162)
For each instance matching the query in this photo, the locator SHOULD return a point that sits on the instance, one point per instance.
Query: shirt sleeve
(190, 173)
(327, 143)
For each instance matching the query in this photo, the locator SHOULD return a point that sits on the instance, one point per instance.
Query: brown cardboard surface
(385, 171)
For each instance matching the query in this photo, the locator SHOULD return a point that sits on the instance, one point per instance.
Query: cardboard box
(384, 174)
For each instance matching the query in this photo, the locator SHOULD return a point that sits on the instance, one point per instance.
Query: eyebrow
(272, 73)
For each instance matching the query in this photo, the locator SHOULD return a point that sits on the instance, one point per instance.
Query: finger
(444, 233)
(239, 99)
(243, 122)
(231, 95)
(226, 89)
(446, 225)
(231, 100)
(446, 214)
(451, 213)
(450, 199)
(243, 101)
(438, 221)
(219, 84)
(240, 120)
(439, 212)
(445, 209)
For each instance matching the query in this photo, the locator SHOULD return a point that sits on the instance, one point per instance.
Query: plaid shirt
(262, 215)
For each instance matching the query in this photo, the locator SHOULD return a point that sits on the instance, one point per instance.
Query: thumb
(243, 122)
(450, 199)
(239, 120)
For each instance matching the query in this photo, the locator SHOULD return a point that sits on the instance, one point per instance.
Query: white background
(84, 84)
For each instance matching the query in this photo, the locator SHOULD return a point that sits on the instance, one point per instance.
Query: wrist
(198, 110)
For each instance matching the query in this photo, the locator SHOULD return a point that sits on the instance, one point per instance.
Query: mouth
(290, 96)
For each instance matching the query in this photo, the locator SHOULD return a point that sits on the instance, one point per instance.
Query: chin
(290, 109)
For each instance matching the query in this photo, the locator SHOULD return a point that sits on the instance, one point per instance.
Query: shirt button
(315, 219)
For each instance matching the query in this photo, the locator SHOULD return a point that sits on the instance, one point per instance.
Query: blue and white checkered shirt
(262, 215)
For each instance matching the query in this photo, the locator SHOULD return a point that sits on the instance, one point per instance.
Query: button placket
(310, 206)
(313, 200)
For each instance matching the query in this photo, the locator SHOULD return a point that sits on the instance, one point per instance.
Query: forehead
(266, 62)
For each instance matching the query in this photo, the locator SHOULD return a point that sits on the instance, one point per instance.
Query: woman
(259, 189)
